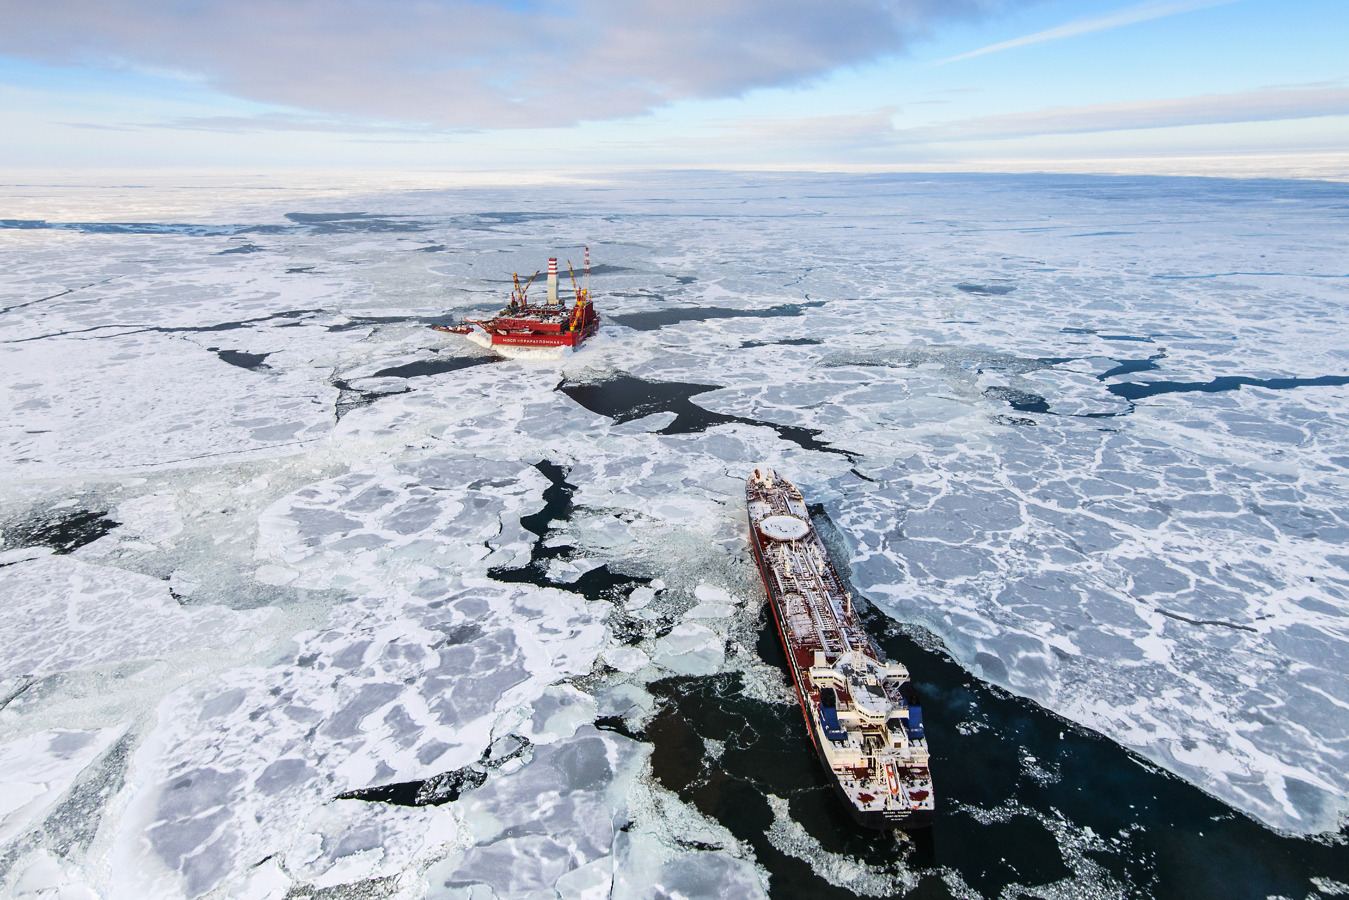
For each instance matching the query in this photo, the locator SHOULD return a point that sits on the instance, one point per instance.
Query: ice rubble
(37, 770)
(64, 615)
(1165, 571)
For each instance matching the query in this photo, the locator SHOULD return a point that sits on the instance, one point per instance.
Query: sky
(1182, 86)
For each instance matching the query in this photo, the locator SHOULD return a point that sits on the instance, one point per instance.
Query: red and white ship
(867, 734)
(552, 324)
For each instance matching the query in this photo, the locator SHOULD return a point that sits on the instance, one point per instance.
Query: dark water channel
(986, 290)
(1026, 800)
(434, 366)
(241, 358)
(1132, 391)
(1138, 391)
(785, 342)
(625, 398)
(350, 398)
(598, 583)
(447, 786)
(660, 318)
(63, 530)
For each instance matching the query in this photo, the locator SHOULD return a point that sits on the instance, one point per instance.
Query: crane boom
(576, 291)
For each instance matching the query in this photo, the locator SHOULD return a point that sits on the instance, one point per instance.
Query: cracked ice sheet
(394, 689)
(1101, 585)
(1094, 552)
(230, 768)
(37, 770)
(1207, 658)
(1233, 470)
(361, 544)
(147, 420)
(64, 615)
(1077, 565)
(122, 372)
(421, 675)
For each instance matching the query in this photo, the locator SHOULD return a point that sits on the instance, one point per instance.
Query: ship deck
(879, 767)
(815, 608)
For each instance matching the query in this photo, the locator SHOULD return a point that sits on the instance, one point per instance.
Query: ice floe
(366, 610)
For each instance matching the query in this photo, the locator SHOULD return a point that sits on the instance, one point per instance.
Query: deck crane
(521, 294)
(580, 295)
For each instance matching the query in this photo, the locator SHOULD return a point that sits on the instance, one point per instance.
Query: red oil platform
(551, 324)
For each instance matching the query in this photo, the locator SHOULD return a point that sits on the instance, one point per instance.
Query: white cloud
(872, 135)
(277, 122)
(1206, 109)
(465, 64)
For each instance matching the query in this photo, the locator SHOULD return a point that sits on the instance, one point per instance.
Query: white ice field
(294, 605)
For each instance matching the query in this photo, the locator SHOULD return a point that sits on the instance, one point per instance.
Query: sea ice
(326, 558)
(37, 770)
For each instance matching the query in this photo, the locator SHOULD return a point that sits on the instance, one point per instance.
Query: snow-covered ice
(1092, 439)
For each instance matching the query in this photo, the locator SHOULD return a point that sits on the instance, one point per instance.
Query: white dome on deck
(783, 528)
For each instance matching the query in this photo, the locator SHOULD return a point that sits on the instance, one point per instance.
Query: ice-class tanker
(867, 734)
(552, 323)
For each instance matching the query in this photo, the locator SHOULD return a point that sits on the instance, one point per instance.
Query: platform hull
(543, 338)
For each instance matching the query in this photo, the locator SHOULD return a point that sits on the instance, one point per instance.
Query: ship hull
(782, 637)
(880, 820)
(866, 801)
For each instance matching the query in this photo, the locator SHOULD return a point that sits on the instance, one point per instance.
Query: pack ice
(287, 610)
